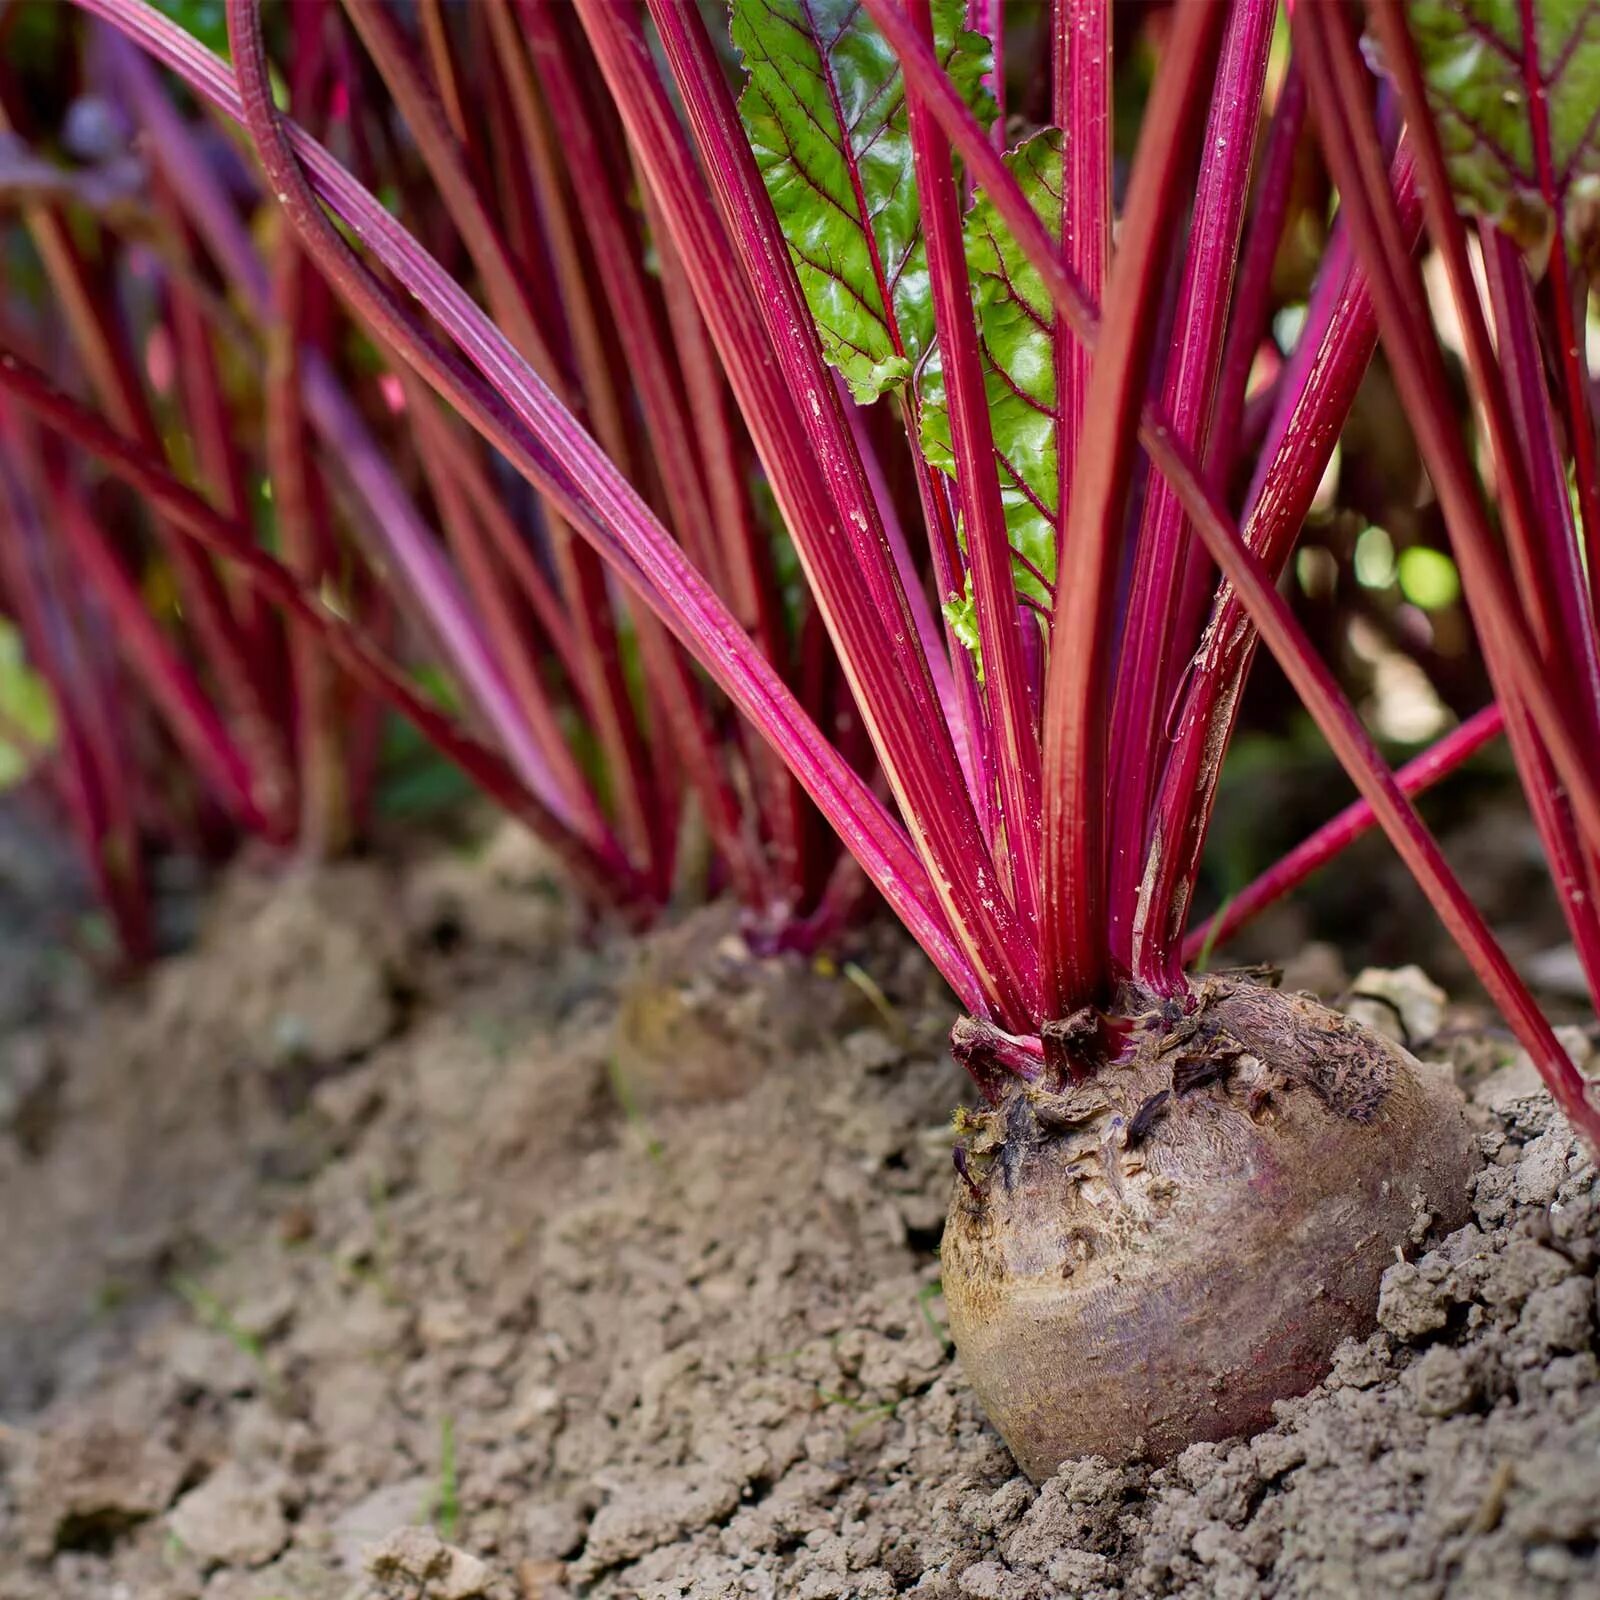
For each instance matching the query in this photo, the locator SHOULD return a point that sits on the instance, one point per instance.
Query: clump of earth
(409, 1238)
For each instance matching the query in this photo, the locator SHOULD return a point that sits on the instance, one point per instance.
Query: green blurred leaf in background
(1472, 60)
(27, 712)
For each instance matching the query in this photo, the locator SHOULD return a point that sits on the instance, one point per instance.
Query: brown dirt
(377, 1210)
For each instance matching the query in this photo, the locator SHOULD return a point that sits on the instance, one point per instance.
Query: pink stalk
(1074, 924)
(206, 415)
(641, 814)
(964, 717)
(99, 346)
(446, 80)
(988, 17)
(426, 574)
(639, 802)
(1252, 296)
(1549, 564)
(376, 613)
(495, 149)
(958, 696)
(1540, 536)
(634, 305)
(725, 301)
(521, 417)
(743, 563)
(407, 547)
(1543, 546)
(1318, 388)
(841, 543)
(559, 267)
(1338, 833)
(1311, 678)
(1081, 100)
(602, 505)
(604, 690)
(1319, 692)
(1580, 423)
(962, 714)
(601, 385)
(1535, 540)
(632, 301)
(1340, 96)
(457, 458)
(205, 408)
(978, 488)
(1531, 540)
(1152, 649)
(606, 875)
(963, 707)
(301, 504)
(1238, 421)
(495, 600)
(99, 797)
(190, 717)
(300, 499)
(425, 117)
(693, 745)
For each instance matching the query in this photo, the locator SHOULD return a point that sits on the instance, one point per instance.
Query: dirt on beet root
(401, 1240)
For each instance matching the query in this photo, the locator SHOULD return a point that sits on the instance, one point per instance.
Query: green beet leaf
(1471, 53)
(825, 113)
(1017, 334)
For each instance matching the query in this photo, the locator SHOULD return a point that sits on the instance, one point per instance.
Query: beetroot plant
(304, 505)
(1002, 406)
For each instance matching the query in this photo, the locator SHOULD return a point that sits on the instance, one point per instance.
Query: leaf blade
(1016, 332)
(824, 109)
(1472, 57)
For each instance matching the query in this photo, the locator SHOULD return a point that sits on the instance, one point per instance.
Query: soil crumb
(363, 1255)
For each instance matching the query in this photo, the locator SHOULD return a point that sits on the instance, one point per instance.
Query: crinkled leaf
(825, 112)
(1471, 53)
(1017, 333)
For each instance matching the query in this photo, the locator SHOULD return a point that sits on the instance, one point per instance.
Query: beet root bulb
(1152, 1258)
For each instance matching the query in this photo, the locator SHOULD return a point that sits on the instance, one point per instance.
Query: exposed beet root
(1154, 1257)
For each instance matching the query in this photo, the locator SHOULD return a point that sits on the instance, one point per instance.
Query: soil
(406, 1238)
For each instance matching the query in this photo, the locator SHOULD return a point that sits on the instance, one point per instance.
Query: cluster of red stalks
(593, 531)
(295, 493)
